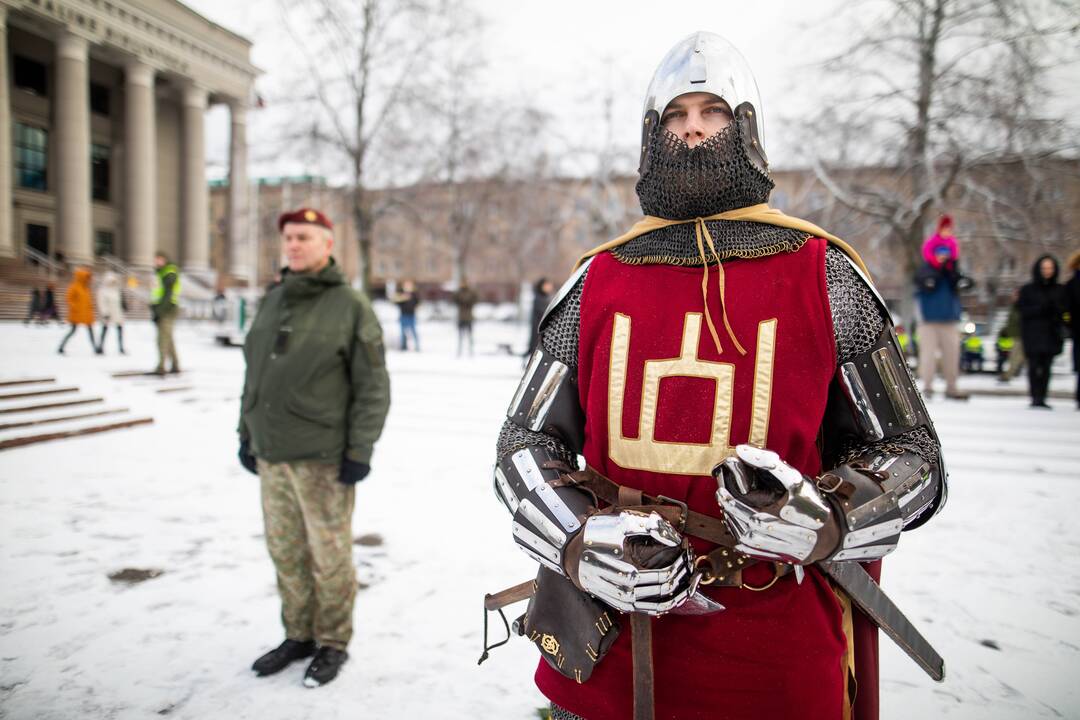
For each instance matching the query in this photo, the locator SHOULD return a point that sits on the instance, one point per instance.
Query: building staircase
(19, 276)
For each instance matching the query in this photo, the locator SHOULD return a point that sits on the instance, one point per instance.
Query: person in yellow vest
(1004, 347)
(971, 355)
(164, 307)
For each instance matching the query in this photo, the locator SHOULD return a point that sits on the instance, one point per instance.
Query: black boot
(279, 658)
(324, 667)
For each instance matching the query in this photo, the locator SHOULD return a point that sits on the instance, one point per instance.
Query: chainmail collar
(677, 245)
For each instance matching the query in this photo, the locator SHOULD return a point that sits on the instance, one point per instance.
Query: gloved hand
(635, 562)
(155, 313)
(246, 458)
(774, 511)
(353, 472)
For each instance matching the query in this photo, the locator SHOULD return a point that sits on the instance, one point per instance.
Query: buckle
(836, 480)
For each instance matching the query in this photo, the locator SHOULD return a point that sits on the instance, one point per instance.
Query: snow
(998, 567)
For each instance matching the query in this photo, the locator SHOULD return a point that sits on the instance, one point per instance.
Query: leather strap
(697, 524)
(509, 596)
(641, 639)
(629, 496)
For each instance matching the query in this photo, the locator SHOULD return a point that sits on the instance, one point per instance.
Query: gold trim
(763, 375)
(549, 644)
(645, 452)
(847, 662)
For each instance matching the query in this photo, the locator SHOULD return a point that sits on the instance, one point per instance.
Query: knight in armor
(717, 404)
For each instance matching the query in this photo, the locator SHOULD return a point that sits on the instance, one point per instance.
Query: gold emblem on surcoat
(549, 644)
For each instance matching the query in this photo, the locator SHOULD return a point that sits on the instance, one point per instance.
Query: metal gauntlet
(635, 562)
(774, 511)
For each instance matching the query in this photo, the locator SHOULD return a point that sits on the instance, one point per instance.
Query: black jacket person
(1041, 305)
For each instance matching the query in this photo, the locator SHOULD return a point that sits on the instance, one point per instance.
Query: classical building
(103, 102)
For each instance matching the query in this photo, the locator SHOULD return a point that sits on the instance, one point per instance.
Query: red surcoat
(645, 346)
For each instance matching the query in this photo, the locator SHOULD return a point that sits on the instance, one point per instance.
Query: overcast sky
(559, 54)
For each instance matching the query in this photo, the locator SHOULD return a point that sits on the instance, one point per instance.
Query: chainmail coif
(681, 183)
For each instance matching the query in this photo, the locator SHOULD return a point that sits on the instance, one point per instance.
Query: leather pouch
(572, 629)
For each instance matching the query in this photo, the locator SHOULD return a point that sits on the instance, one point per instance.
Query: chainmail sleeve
(858, 320)
(558, 336)
(856, 315)
(559, 331)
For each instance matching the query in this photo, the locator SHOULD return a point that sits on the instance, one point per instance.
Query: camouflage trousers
(307, 514)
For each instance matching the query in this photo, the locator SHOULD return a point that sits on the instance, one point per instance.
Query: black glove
(353, 472)
(154, 313)
(246, 458)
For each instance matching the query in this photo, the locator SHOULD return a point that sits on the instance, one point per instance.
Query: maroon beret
(304, 215)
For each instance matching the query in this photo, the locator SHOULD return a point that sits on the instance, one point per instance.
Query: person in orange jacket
(80, 307)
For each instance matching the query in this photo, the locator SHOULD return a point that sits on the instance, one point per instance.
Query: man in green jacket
(316, 393)
(164, 307)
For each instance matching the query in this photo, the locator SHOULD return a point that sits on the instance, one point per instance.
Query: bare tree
(935, 90)
(361, 59)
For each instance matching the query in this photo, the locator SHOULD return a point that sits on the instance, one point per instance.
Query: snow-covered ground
(994, 582)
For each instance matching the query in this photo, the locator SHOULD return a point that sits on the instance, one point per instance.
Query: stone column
(72, 123)
(195, 222)
(239, 252)
(140, 201)
(7, 232)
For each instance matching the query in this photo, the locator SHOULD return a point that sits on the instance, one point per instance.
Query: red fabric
(304, 215)
(866, 659)
(772, 654)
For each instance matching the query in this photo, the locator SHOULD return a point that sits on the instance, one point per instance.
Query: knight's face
(694, 117)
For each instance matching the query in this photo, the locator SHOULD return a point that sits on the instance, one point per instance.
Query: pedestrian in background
(110, 307)
(48, 309)
(465, 298)
(1041, 305)
(34, 311)
(1072, 306)
(164, 309)
(938, 283)
(315, 398)
(542, 291)
(407, 299)
(1011, 332)
(80, 307)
